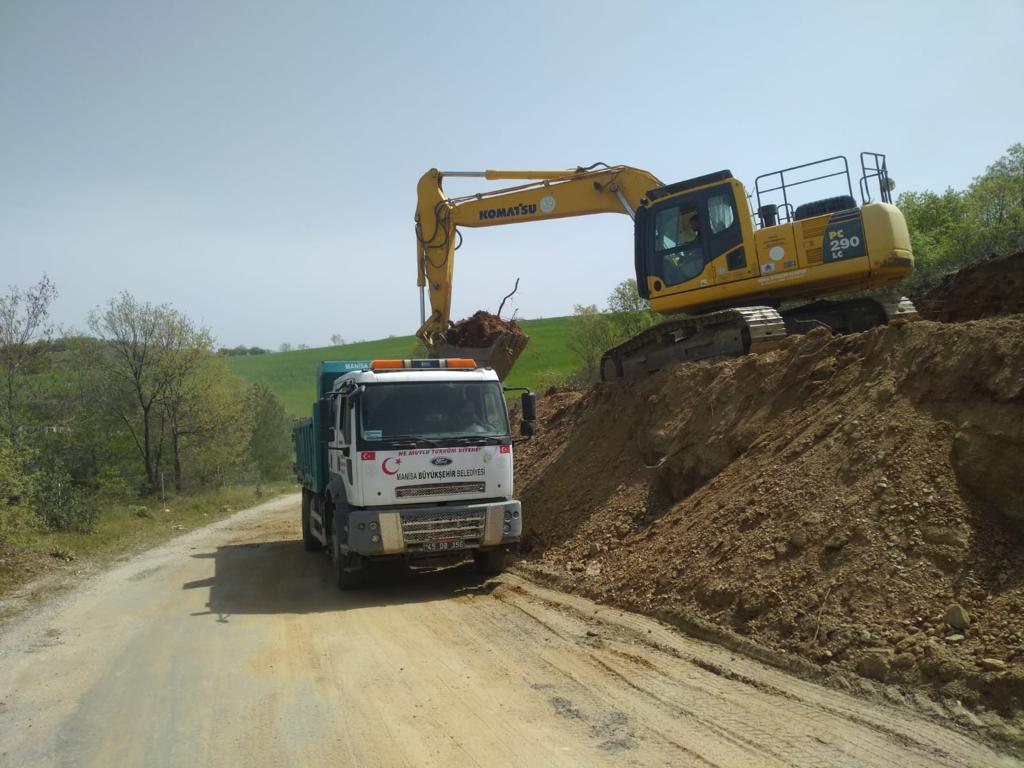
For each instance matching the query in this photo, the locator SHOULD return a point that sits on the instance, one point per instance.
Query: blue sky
(254, 163)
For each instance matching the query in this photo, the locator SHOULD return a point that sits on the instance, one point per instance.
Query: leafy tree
(147, 351)
(270, 441)
(185, 398)
(213, 428)
(14, 479)
(16, 483)
(24, 328)
(957, 228)
(591, 332)
(995, 202)
(285, 346)
(630, 312)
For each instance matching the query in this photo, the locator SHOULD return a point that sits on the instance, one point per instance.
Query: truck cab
(412, 460)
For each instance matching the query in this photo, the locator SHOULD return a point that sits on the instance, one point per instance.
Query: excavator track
(727, 333)
(735, 332)
(848, 316)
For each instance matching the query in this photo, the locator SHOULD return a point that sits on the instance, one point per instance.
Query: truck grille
(437, 489)
(440, 526)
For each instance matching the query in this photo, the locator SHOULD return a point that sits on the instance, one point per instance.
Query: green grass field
(292, 375)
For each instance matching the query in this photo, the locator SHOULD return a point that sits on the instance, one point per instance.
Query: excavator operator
(687, 262)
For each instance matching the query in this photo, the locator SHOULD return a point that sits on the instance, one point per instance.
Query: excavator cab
(691, 236)
(697, 248)
(700, 255)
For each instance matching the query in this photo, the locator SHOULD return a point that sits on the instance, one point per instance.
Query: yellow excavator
(700, 255)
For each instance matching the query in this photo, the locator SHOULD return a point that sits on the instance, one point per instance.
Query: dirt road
(229, 646)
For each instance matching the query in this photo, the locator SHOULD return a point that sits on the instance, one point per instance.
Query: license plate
(443, 546)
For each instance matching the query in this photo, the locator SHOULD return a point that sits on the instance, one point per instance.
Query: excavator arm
(545, 195)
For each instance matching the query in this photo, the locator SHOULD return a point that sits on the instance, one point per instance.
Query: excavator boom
(544, 195)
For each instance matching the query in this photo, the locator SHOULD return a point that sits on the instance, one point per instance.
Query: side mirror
(326, 434)
(529, 402)
(526, 429)
(326, 412)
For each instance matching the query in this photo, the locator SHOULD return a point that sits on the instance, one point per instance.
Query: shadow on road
(281, 577)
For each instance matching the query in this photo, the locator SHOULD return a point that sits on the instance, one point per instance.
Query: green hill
(292, 375)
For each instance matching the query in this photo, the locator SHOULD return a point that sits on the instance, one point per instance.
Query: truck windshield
(433, 410)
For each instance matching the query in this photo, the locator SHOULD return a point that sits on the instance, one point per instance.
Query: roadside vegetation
(955, 228)
(121, 436)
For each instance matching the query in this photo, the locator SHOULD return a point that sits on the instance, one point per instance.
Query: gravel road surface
(230, 646)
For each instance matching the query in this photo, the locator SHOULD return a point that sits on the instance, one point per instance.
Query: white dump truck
(409, 459)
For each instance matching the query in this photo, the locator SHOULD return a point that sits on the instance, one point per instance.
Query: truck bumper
(434, 531)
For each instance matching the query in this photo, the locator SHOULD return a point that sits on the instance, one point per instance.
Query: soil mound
(850, 499)
(988, 289)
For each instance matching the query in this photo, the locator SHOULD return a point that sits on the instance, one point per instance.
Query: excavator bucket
(491, 341)
(500, 354)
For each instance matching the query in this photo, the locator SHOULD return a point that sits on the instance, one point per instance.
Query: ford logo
(441, 461)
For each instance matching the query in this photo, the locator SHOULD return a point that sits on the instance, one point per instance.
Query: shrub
(111, 485)
(63, 507)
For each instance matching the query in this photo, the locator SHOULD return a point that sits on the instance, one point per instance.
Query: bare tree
(337, 339)
(147, 351)
(24, 327)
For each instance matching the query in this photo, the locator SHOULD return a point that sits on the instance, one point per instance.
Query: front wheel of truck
(310, 542)
(349, 570)
(491, 562)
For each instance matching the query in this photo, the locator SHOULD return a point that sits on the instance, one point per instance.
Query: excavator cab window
(721, 212)
(677, 243)
(679, 236)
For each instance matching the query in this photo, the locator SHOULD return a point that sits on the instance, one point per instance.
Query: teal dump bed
(310, 453)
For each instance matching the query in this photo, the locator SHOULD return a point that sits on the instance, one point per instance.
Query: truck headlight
(373, 525)
(508, 515)
(508, 528)
(375, 539)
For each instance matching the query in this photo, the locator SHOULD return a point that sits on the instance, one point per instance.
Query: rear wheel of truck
(490, 562)
(310, 542)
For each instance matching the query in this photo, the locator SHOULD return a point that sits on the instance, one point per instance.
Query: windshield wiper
(408, 440)
(478, 440)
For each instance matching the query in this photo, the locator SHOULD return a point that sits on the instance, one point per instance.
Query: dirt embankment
(852, 500)
(990, 288)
